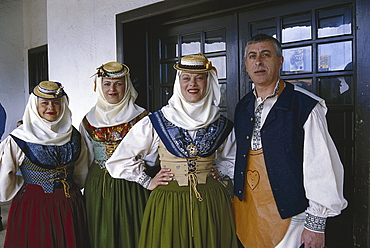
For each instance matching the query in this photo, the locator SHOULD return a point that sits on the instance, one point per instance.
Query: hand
(215, 174)
(313, 239)
(162, 178)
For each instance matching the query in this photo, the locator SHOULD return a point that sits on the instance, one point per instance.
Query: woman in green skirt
(187, 208)
(114, 206)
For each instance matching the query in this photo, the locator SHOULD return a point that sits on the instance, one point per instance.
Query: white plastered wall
(80, 34)
(23, 26)
(81, 37)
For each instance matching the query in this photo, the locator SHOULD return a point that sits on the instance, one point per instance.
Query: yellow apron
(257, 220)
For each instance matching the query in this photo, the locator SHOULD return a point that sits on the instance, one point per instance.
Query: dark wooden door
(318, 40)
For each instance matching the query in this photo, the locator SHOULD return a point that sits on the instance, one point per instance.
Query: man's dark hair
(264, 37)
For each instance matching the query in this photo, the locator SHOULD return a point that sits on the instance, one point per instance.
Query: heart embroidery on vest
(253, 178)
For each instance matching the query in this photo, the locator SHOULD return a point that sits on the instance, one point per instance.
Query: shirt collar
(275, 93)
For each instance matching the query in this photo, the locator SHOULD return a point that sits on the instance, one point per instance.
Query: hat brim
(114, 74)
(38, 93)
(180, 67)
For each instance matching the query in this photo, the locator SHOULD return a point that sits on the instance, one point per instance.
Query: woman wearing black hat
(114, 206)
(47, 209)
(187, 207)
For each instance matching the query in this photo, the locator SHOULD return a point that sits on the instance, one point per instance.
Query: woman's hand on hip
(162, 178)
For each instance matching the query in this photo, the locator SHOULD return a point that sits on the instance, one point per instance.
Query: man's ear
(281, 61)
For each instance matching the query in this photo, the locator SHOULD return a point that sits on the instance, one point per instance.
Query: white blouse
(140, 145)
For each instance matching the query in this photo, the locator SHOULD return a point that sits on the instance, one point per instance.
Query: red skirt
(39, 219)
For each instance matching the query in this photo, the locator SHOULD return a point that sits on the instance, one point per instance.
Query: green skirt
(114, 209)
(174, 220)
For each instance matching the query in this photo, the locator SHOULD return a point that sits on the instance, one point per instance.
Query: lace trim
(315, 223)
(256, 136)
(144, 180)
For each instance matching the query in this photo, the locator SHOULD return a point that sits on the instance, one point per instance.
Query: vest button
(251, 118)
(241, 172)
(244, 155)
(240, 191)
(247, 137)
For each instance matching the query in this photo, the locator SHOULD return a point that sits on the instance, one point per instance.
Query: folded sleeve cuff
(315, 223)
(144, 180)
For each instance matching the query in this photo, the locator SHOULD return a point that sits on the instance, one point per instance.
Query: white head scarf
(40, 131)
(192, 116)
(105, 114)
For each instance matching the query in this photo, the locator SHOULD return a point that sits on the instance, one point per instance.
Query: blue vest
(282, 140)
(49, 166)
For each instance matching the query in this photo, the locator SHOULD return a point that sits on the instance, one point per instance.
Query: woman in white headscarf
(187, 207)
(47, 209)
(114, 206)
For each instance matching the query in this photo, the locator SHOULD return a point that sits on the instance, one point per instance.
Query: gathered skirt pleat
(41, 220)
(115, 209)
(174, 219)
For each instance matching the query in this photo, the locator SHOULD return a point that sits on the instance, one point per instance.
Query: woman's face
(193, 86)
(49, 109)
(113, 89)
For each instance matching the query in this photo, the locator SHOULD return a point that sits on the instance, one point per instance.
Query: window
(317, 49)
(323, 54)
(211, 43)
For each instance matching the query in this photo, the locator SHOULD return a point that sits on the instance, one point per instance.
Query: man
(2, 129)
(288, 175)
